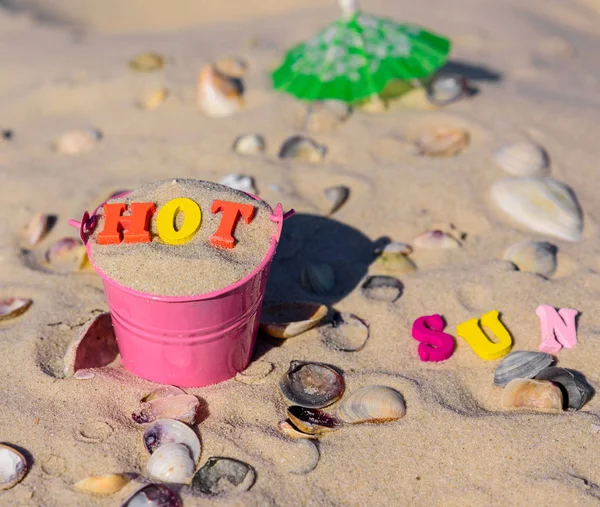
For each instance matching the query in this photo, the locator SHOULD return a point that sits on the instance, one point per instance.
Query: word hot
(134, 227)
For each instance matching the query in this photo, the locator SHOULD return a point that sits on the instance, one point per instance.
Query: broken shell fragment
(249, 144)
(521, 364)
(382, 288)
(224, 477)
(151, 99)
(311, 385)
(302, 149)
(182, 407)
(522, 159)
(539, 395)
(147, 62)
(38, 228)
(240, 182)
(336, 196)
(324, 116)
(374, 404)
(106, 484)
(442, 141)
(219, 95)
(287, 429)
(533, 256)
(318, 278)
(13, 307)
(575, 389)
(13, 467)
(284, 320)
(95, 346)
(346, 332)
(436, 239)
(153, 495)
(446, 89)
(75, 142)
(67, 255)
(169, 431)
(172, 463)
(312, 420)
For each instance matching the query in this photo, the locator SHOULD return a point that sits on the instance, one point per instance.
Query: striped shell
(522, 159)
(521, 364)
(372, 404)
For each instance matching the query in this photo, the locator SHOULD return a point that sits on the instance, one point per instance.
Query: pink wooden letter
(558, 328)
(435, 345)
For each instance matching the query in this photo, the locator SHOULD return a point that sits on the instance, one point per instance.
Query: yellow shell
(106, 484)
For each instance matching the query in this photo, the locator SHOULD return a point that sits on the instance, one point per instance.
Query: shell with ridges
(302, 149)
(576, 391)
(532, 394)
(521, 364)
(172, 463)
(153, 495)
(105, 484)
(219, 95)
(13, 467)
(522, 159)
(311, 385)
(169, 431)
(284, 320)
(318, 278)
(373, 404)
(533, 256)
(13, 307)
(224, 476)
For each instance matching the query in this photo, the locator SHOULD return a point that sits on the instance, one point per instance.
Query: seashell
(393, 258)
(172, 463)
(436, 239)
(575, 389)
(151, 99)
(336, 196)
(284, 320)
(533, 394)
(521, 364)
(312, 420)
(302, 149)
(67, 255)
(38, 228)
(13, 307)
(169, 431)
(233, 66)
(446, 89)
(75, 142)
(543, 205)
(311, 385)
(106, 484)
(375, 404)
(324, 116)
(163, 392)
(249, 144)
(84, 375)
(382, 288)
(240, 182)
(147, 62)
(153, 495)
(95, 345)
(219, 95)
(346, 332)
(181, 407)
(287, 429)
(533, 256)
(442, 141)
(223, 477)
(13, 467)
(522, 159)
(255, 372)
(318, 278)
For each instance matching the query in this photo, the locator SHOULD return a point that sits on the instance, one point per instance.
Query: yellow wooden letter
(165, 221)
(480, 343)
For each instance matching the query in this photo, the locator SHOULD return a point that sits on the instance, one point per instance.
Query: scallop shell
(382, 288)
(311, 385)
(13, 467)
(75, 142)
(67, 255)
(172, 463)
(219, 95)
(312, 420)
(152, 98)
(38, 228)
(533, 256)
(532, 394)
(240, 182)
(224, 477)
(442, 141)
(543, 205)
(233, 66)
(436, 239)
(336, 196)
(575, 389)
(106, 484)
(446, 89)
(249, 144)
(181, 407)
(373, 404)
(324, 116)
(287, 429)
(521, 364)
(153, 495)
(169, 431)
(13, 307)
(522, 159)
(346, 332)
(95, 345)
(284, 320)
(147, 62)
(318, 278)
(302, 149)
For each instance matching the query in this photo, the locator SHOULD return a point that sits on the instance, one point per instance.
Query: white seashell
(240, 182)
(153, 495)
(284, 320)
(318, 278)
(249, 144)
(543, 205)
(446, 89)
(106, 484)
(75, 142)
(38, 228)
(218, 95)
(169, 431)
(532, 394)
(442, 141)
(13, 467)
(372, 404)
(13, 307)
(522, 159)
(182, 407)
(302, 149)
(533, 256)
(336, 196)
(172, 463)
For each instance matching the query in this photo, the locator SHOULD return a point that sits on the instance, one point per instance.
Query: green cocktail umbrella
(357, 56)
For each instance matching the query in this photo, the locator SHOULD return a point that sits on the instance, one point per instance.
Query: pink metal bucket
(189, 341)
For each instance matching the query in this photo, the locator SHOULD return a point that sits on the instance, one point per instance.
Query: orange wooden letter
(232, 211)
(132, 228)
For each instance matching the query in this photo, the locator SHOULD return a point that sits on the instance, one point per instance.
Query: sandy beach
(536, 68)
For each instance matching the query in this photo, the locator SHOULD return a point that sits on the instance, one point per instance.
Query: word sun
(134, 228)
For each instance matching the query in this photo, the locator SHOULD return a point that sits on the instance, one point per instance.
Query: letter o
(165, 221)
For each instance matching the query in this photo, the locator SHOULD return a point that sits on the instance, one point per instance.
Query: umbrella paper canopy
(357, 56)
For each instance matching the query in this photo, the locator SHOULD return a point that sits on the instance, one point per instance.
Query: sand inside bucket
(196, 267)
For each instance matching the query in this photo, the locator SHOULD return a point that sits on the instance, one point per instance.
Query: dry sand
(536, 65)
